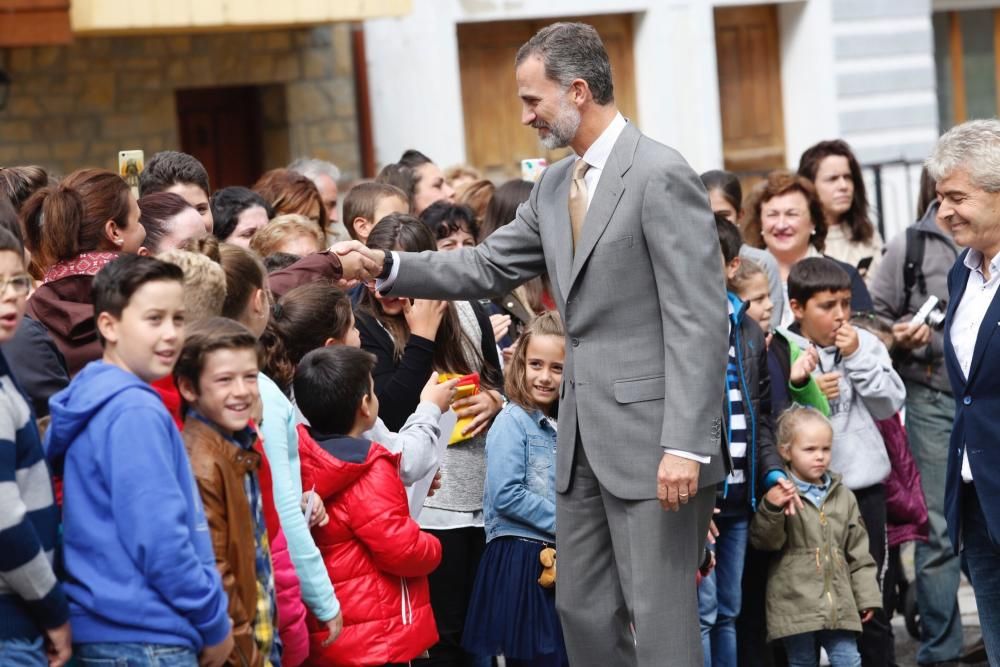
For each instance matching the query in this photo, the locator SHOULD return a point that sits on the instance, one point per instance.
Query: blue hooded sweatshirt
(137, 551)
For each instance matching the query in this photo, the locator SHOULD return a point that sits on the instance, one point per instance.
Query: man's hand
(334, 626)
(867, 615)
(909, 337)
(676, 481)
(358, 262)
(59, 645)
(216, 656)
(847, 340)
(803, 367)
(829, 384)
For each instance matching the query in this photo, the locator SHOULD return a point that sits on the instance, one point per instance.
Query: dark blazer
(398, 383)
(977, 413)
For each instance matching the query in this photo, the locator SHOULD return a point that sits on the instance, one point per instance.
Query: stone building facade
(78, 105)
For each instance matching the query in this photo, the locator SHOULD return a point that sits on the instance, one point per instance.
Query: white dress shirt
(979, 294)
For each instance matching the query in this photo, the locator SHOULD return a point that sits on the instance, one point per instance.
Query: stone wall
(78, 105)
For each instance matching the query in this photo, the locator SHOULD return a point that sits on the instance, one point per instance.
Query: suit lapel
(609, 191)
(563, 231)
(958, 289)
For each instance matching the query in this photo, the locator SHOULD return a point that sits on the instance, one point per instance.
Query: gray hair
(572, 51)
(973, 146)
(312, 168)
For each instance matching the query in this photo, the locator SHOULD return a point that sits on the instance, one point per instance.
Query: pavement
(906, 646)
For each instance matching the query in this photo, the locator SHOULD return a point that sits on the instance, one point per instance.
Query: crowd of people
(216, 414)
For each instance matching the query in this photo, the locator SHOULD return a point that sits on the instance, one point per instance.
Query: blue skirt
(510, 614)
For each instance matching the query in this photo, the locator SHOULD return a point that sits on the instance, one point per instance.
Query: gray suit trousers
(628, 566)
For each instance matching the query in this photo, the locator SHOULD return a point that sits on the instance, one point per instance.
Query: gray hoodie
(869, 389)
(925, 364)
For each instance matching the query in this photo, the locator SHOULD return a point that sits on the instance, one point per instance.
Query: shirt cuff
(772, 478)
(704, 460)
(386, 284)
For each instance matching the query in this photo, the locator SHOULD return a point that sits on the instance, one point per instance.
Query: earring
(813, 232)
(122, 241)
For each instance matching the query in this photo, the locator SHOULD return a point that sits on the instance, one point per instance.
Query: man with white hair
(325, 176)
(966, 165)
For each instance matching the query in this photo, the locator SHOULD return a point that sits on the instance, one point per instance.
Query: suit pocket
(640, 389)
(605, 247)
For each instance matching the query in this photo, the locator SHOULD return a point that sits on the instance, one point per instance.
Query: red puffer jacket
(376, 555)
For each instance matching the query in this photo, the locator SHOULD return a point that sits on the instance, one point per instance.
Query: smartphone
(864, 264)
(130, 165)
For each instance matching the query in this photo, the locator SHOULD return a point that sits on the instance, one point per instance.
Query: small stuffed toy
(548, 559)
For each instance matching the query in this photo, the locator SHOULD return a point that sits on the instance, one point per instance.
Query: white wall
(415, 83)
(807, 76)
(413, 79)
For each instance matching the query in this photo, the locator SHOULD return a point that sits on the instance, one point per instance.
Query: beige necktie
(578, 199)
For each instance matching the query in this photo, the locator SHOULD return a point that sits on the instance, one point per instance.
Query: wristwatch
(386, 266)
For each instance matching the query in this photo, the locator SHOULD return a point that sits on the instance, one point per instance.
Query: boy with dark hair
(142, 583)
(730, 241)
(182, 174)
(32, 603)
(367, 203)
(217, 377)
(855, 373)
(373, 549)
(756, 466)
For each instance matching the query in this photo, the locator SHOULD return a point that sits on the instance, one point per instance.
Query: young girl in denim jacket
(511, 613)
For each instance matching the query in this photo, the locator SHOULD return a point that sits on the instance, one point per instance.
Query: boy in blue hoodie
(141, 577)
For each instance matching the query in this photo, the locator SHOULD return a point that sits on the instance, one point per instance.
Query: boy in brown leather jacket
(217, 377)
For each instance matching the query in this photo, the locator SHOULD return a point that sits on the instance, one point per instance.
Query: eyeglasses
(20, 285)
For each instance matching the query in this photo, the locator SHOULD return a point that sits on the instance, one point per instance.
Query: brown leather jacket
(219, 467)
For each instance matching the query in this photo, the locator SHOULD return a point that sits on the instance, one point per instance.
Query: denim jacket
(519, 498)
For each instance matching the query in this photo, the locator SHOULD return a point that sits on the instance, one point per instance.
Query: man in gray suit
(626, 234)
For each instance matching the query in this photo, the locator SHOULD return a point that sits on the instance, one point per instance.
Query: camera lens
(935, 319)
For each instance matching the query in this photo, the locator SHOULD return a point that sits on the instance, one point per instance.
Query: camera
(931, 313)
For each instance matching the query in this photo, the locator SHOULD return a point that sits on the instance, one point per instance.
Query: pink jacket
(905, 507)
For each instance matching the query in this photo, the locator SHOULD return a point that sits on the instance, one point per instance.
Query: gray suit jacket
(643, 302)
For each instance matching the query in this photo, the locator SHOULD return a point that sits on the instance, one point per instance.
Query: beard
(563, 127)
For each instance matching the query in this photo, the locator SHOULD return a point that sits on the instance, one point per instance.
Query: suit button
(967, 400)
(575, 342)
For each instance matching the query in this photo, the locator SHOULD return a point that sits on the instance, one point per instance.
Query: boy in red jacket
(376, 555)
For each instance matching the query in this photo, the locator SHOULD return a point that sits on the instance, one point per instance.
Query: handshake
(358, 262)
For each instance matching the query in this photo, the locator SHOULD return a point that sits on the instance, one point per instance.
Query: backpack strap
(913, 274)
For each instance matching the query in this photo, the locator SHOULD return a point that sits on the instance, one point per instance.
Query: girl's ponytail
(303, 320)
(275, 362)
(53, 218)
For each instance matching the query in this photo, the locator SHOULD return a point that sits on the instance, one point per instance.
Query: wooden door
(747, 51)
(222, 128)
(496, 142)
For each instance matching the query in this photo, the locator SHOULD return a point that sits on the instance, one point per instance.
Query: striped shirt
(735, 491)
(265, 621)
(30, 596)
